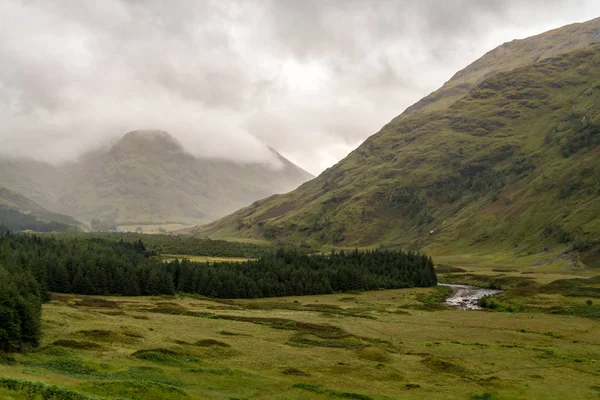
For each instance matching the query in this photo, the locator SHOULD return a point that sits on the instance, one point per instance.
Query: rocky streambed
(467, 297)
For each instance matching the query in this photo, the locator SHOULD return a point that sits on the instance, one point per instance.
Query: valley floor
(394, 344)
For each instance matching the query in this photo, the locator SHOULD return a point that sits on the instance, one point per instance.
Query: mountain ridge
(147, 177)
(447, 175)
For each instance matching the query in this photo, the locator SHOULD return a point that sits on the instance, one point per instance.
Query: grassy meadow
(394, 344)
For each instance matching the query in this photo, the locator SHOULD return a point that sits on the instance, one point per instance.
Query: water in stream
(467, 297)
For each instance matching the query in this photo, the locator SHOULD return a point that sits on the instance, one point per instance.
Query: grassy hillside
(510, 55)
(511, 165)
(20, 213)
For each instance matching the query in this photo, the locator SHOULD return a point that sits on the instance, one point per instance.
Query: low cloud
(312, 79)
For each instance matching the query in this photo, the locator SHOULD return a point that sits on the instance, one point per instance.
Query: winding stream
(467, 297)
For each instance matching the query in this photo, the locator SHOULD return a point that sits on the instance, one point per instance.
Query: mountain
(503, 156)
(147, 177)
(18, 213)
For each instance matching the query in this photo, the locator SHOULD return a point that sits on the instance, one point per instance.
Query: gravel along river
(467, 297)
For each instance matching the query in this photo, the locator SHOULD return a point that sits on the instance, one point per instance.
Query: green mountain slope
(511, 55)
(148, 178)
(512, 164)
(20, 213)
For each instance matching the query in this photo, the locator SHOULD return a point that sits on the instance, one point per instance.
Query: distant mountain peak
(148, 134)
(145, 140)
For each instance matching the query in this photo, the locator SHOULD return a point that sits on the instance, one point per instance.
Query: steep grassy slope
(19, 208)
(512, 164)
(148, 178)
(511, 55)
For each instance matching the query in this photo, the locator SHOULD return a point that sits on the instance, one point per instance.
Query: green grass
(281, 348)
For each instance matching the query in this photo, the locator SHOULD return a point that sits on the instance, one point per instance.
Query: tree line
(188, 245)
(33, 266)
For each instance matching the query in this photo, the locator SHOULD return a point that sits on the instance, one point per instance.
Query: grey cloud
(310, 78)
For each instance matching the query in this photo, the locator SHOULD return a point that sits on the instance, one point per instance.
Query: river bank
(467, 297)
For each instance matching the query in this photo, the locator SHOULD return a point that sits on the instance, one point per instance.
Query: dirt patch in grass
(176, 309)
(319, 330)
(210, 343)
(169, 308)
(96, 303)
(320, 307)
(113, 313)
(79, 345)
(277, 211)
(307, 339)
(228, 333)
(294, 371)
(99, 334)
(215, 371)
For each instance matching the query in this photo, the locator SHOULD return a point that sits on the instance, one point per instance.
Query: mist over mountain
(312, 78)
(148, 177)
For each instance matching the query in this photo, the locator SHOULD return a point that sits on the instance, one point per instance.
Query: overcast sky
(311, 78)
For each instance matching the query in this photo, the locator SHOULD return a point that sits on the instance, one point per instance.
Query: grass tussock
(320, 330)
(484, 396)
(215, 371)
(294, 371)
(95, 302)
(161, 355)
(443, 366)
(99, 334)
(309, 387)
(374, 354)
(211, 343)
(229, 333)
(306, 339)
